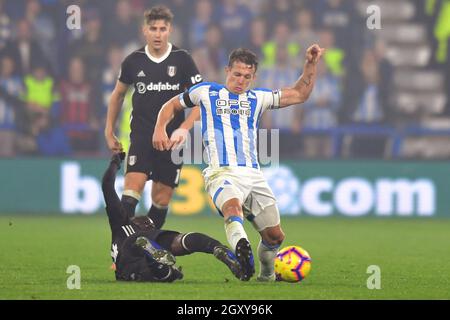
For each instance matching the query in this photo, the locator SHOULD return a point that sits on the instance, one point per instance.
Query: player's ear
(144, 29)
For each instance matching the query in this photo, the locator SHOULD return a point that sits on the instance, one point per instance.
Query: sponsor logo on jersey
(251, 96)
(141, 74)
(213, 93)
(171, 70)
(142, 87)
(224, 107)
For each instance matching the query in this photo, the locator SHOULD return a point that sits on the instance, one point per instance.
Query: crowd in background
(55, 82)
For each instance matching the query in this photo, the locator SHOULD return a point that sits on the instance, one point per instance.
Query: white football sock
(234, 230)
(266, 255)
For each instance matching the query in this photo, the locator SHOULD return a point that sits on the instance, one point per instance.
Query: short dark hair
(243, 55)
(158, 13)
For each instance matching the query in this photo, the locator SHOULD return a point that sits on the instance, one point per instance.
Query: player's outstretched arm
(303, 87)
(160, 139)
(114, 107)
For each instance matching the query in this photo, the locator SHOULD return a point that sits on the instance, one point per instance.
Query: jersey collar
(160, 59)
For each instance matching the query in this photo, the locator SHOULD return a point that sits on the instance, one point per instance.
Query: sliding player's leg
(187, 243)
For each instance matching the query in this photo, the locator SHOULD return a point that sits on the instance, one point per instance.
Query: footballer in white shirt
(230, 116)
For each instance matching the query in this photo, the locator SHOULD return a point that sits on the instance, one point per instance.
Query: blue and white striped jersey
(230, 121)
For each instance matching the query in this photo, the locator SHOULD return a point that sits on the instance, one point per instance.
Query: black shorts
(157, 165)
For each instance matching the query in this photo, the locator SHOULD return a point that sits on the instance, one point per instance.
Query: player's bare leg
(237, 237)
(133, 187)
(161, 196)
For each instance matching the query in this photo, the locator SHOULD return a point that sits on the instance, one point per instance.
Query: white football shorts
(250, 187)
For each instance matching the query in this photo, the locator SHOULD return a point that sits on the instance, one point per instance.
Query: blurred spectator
(11, 89)
(337, 16)
(43, 29)
(200, 22)
(78, 116)
(304, 34)
(341, 17)
(280, 10)
(39, 98)
(367, 109)
(25, 50)
(258, 36)
(183, 11)
(442, 32)
(211, 58)
(110, 74)
(123, 27)
(258, 8)
(280, 39)
(5, 26)
(320, 113)
(386, 75)
(91, 47)
(109, 79)
(287, 120)
(234, 20)
(333, 56)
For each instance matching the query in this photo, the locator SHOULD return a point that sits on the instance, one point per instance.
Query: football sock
(199, 242)
(267, 254)
(234, 229)
(129, 201)
(158, 214)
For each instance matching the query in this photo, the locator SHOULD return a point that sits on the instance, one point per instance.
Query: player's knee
(232, 208)
(162, 200)
(274, 236)
(177, 247)
(135, 181)
(162, 196)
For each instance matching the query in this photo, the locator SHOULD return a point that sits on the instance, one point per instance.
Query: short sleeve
(270, 99)
(192, 75)
(193, 96)
(126, 72)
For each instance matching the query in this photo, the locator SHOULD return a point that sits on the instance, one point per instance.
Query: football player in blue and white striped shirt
(230, 116)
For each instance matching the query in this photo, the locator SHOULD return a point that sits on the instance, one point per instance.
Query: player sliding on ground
(141, 252)
(230, 116)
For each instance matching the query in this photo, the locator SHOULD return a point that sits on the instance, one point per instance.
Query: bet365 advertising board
(302, 188)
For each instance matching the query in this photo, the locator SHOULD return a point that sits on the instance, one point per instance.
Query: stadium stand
(383, 93)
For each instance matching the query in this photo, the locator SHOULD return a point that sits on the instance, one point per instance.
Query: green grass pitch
(413, 255)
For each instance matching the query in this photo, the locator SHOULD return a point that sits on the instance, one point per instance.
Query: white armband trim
(276, 94)
(180, 97)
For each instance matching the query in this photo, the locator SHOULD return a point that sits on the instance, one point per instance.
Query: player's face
(157, 34)
(239, 77)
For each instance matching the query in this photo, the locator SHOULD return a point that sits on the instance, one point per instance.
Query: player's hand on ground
(178, 138)
(314, 53)
(114, 144)
(160, 140)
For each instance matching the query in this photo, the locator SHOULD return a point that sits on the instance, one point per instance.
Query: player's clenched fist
(178, 138)
(113, 144)
(314, 53)
(161, 141)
